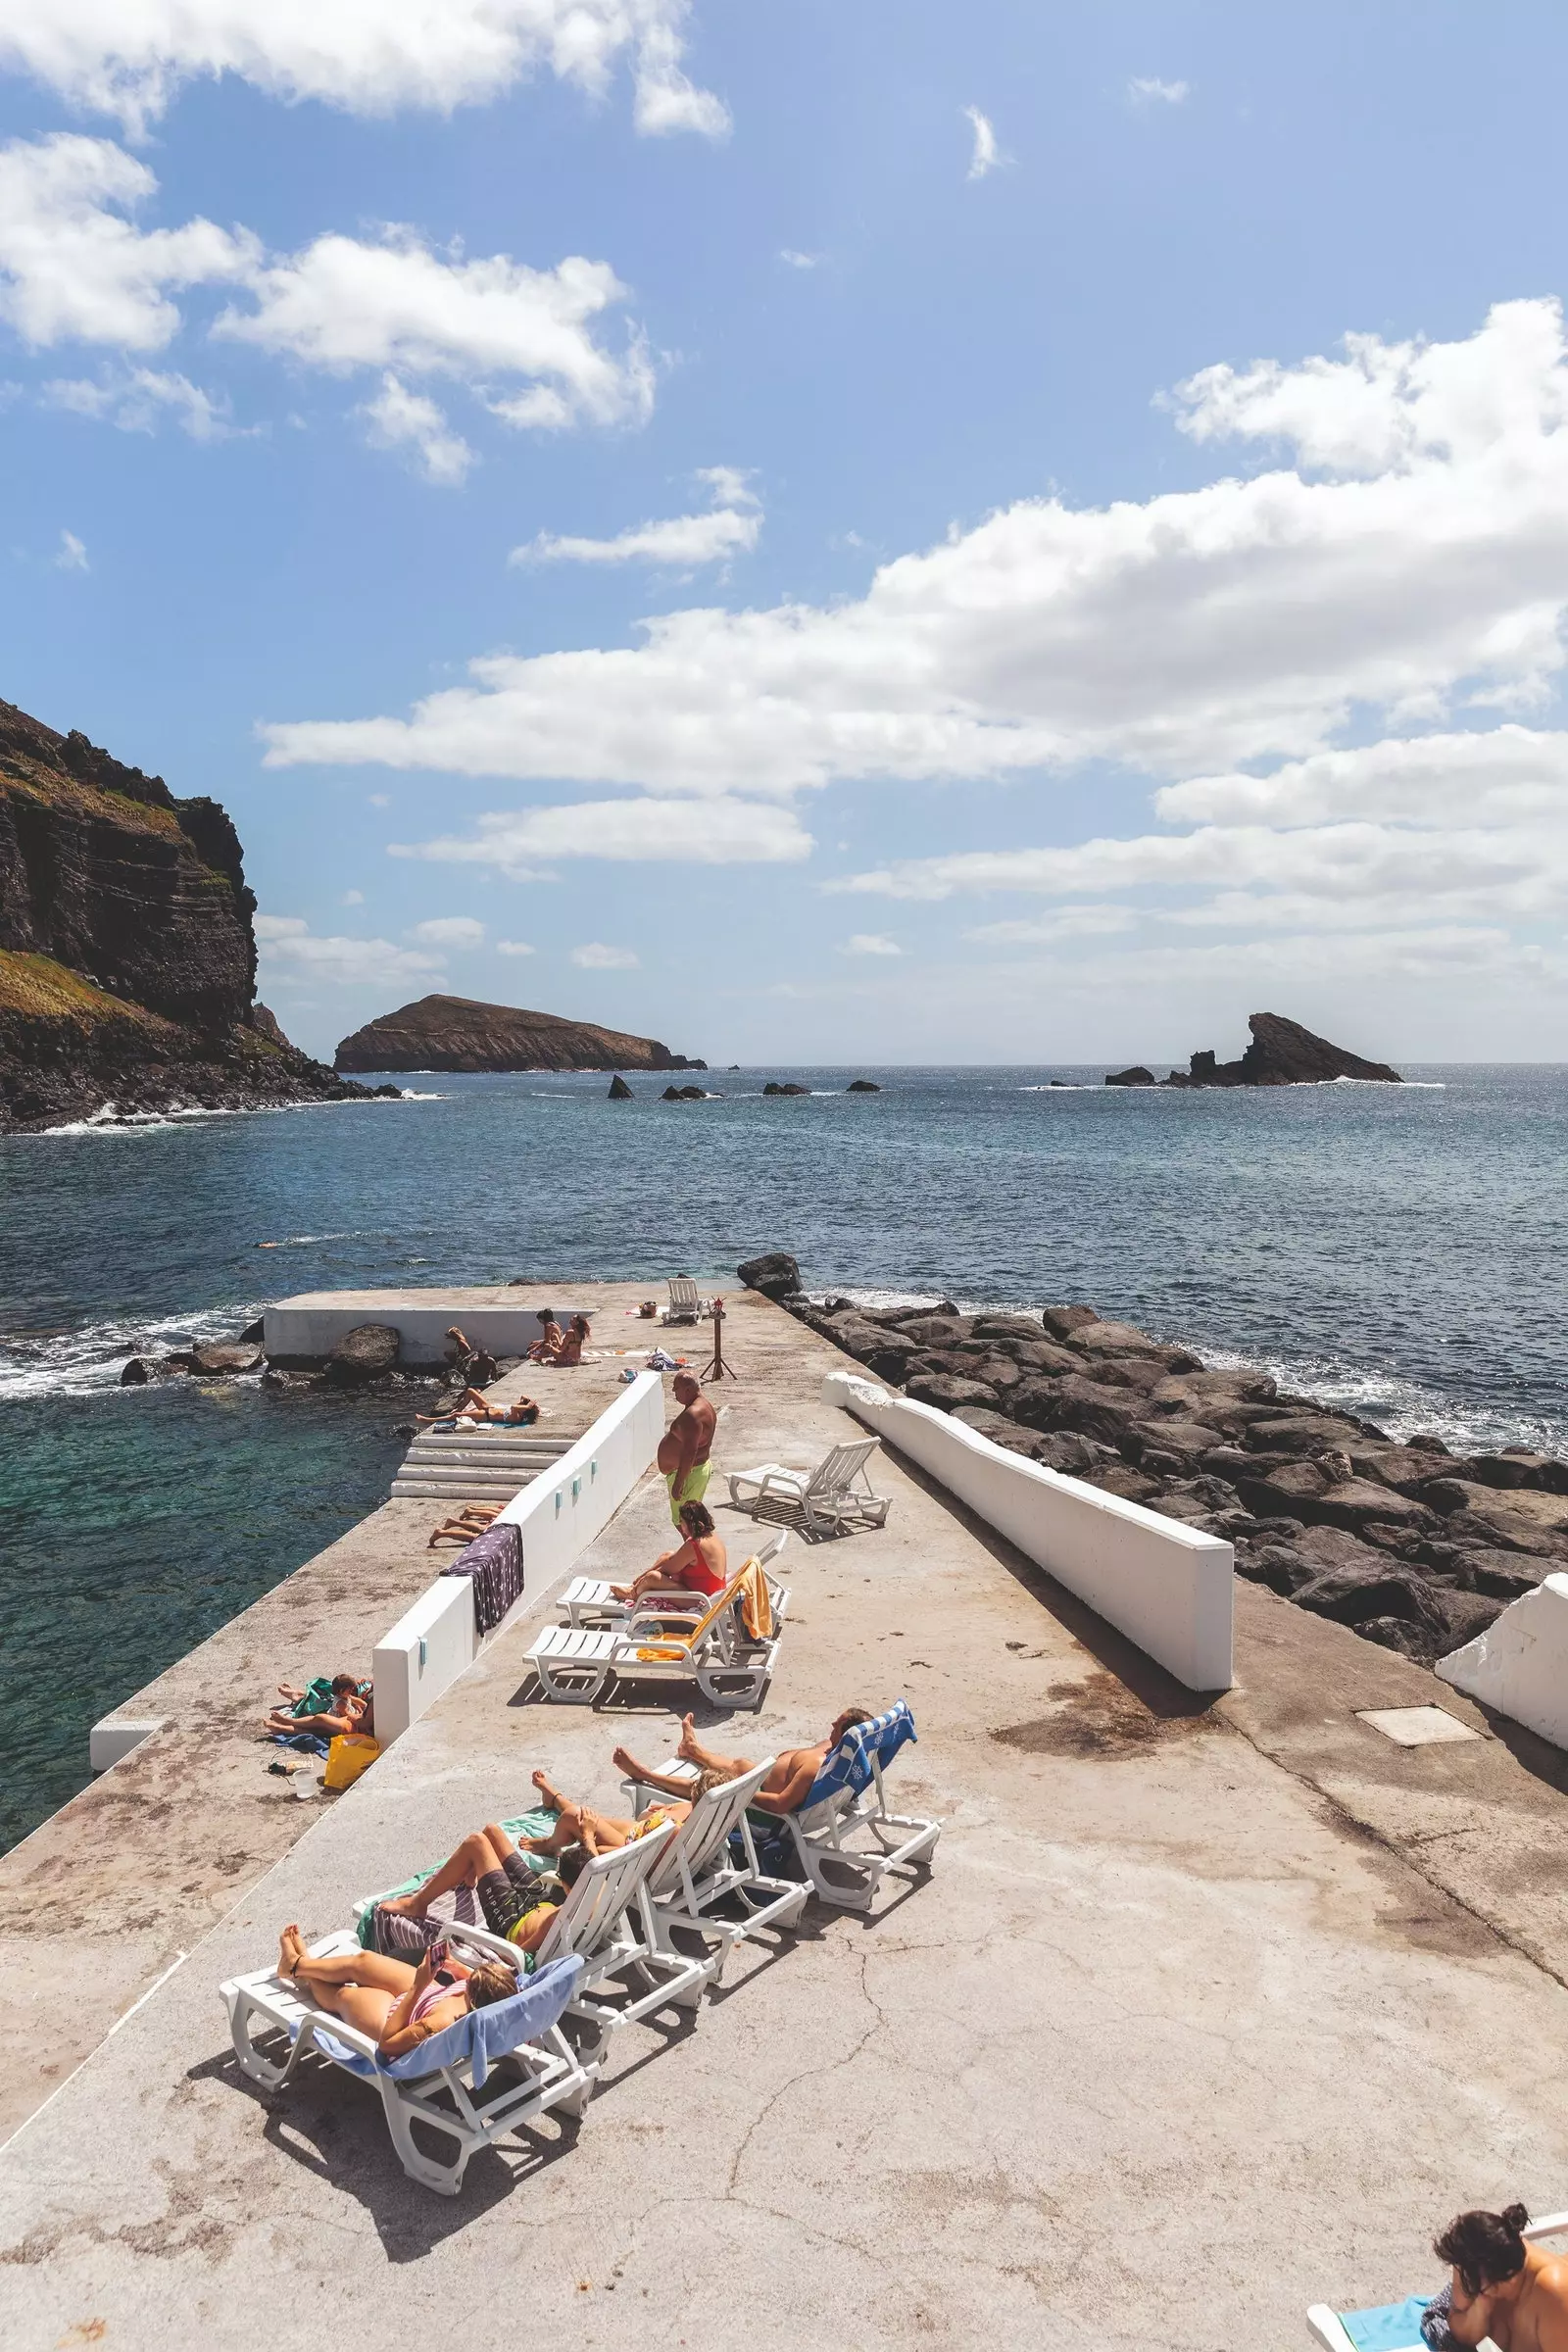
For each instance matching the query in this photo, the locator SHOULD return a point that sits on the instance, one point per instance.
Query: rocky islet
(1414, 1547)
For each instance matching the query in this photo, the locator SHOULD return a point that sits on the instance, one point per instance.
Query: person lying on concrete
(548, 1344)
(399, 2006)
(349, 1708)
(474, 1405)
(480, 1367)
(686, 1445)
(604, 1832)
(785, 1788)
(517, 1903)
(699, 1563)
(573, 1339)
(1501, 2287)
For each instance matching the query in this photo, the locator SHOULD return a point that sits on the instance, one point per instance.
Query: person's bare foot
(688, 1739)
(408, 1906)
(625, 1762)
(551, 1795)
(620, 1592)
(290, 1950)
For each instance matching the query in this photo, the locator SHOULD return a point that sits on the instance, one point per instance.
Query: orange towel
(750, 1588)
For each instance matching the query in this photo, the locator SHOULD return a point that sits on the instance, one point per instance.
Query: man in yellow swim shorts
(684, 1447)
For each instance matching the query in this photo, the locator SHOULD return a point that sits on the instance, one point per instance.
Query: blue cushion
(1391, 2328)
(478, 2037)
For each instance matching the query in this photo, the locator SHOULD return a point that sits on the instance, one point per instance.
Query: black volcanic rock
(620, 1091)
(773, 1088)
(862, 1085)
(1136, 1076)
(363, 1354)
(456, 1033)
(1282, 1054)
(775, 1274)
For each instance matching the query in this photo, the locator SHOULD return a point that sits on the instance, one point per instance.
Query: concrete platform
(1203, 2015)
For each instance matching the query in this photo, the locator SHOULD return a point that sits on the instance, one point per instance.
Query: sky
(817, 530)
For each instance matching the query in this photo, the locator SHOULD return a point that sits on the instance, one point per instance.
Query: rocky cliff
(454, 1033)
(128, 959)
(1282, 1054)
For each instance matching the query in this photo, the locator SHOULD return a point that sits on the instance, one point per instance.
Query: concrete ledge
(114, 1736)
(1167, 1587)
(1519, 1665)
(310, 1326)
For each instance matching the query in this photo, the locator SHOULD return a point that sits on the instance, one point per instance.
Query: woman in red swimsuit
(699, 1563)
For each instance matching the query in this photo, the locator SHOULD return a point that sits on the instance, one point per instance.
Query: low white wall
(1520, 1664)
(313, 1327)
(114, 1736)
(558, 1515)
(1167, 1587)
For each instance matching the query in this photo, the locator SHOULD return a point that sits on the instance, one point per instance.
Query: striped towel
(849, 1767)
(494, 1563)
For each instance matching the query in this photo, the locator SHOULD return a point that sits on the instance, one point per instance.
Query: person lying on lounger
(699, 1563)
(1502, 2287)
(604, 1832)
(398, 2005)
(474, 1405)
(351, 1710)
(517, 1903)
(785, 1787)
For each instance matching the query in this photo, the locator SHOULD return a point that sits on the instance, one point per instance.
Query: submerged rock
(214, 1357)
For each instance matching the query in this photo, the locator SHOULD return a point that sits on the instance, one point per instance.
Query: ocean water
(1396, 1248)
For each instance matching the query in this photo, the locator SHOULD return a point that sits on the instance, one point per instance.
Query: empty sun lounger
(440, 2084)
(600, 1924)
(828, 1500)
(730, 1664)
(685, 1306)
(588, 1599)
(846, 1837)
(1396, 2327)
(700, 1870)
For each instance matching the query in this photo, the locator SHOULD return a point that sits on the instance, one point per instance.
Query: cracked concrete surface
(1199, 2017)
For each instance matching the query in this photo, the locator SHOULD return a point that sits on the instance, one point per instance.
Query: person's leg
(708, 1759)
(461, 1869)
(667, 1784)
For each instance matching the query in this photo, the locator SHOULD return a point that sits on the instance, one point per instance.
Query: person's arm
(686, 1439)
(396, 2036)
(1469, 2316)
(790, 1797)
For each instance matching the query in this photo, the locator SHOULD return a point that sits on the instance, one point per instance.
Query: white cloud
(378, 800)
(513, 947)
(870, 943)
(73, 266)
(717, 832)
(72, 554)
(368, 56)
(1072, 922)
(731, 528)
(1147, 88)
(798, 260)
(136, 398)
(352, 898)
(290, 950)
(1245, 622)
(450, 931)
(398, 418)
(595, 956)
(986, 155)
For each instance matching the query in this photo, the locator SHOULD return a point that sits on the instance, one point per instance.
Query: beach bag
(347, 1757)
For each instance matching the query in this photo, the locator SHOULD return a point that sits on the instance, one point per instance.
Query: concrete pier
(1207, 2012)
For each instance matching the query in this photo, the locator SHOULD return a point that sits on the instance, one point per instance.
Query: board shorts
(510, 1894)
(694, 1486)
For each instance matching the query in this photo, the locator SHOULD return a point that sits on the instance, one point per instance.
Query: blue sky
(1005, 700)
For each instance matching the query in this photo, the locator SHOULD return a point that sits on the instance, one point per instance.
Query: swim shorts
(692, 1487)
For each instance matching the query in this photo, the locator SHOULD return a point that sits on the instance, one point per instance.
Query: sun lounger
(828, 1500)
(729, 1665)
(1396, 2327)
(699, 1870)
(685, 1306)
(600, 1924)
(588, 1599)
(440, 2084)
(847, 1802)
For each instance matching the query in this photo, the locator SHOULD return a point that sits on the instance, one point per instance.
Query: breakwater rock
(128, 952)
(1412, 1547)
(458, 1033)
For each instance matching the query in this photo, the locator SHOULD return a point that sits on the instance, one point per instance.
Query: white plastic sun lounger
(828, 1500)
(574, 1663)
(685, 1305)
(441, 2084)
(588, 1599)
(846, 1834)
(699, 1870)
(1328, 2327)
(599, 1925)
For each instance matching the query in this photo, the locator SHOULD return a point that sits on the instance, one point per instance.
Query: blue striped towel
(849, 1764)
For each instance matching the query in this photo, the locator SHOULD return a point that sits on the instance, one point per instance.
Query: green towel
(538, 1823)
(317, 1699)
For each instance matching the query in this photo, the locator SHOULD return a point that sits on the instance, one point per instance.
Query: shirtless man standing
(1502, 2287)
(684, 1447)
(786, 1785)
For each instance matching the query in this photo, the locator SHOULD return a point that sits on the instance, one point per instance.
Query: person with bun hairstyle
(1501, 2287)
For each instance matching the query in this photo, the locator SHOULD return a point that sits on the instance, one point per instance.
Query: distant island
(1282, 1054)
(128, 954)
(456, 1033)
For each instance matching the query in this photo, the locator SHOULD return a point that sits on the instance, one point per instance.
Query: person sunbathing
(548, 1344)
(699, 1563)
(573, 1339)
(605, 1832)
(1501, 2287)
(477, 1364)
(350, 1710)
(517, 1903)
(475, 1405)
(396, 2005)
(787, 1785)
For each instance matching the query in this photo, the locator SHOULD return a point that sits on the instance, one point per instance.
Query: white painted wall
(312, 1325)
(559, 1514)
(1169, 1587)
(114, 1736)
(1520, 1664)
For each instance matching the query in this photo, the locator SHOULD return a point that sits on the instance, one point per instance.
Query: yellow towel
(756, 1605)
(750, 1588)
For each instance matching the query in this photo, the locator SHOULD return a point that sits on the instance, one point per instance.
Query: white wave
(88, 1360)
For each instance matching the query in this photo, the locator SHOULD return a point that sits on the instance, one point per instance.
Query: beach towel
(849, 1765)
(480, 2037)
(493, 1562)
(756, 1603)
(317, 1698)
(306, 1741)
(460, 1908)
(1391, 2327)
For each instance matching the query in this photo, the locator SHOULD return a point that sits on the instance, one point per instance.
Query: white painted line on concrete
(126, 2015)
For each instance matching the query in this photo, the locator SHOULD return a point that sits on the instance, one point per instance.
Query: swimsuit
(697, 1576)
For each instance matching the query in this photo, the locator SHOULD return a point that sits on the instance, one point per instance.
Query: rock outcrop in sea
(128, 957)
(1411, 1545)
(458, 1033)
(1282, 1054)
